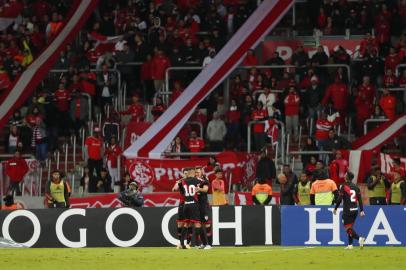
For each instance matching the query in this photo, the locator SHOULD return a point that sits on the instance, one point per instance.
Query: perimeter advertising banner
(131, 227)
(317, 226)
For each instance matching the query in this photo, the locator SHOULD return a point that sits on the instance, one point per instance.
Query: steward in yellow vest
(377, 185)
(261, 193)
(302, 190)
(57, 191)
(398, 190)
(324, 190)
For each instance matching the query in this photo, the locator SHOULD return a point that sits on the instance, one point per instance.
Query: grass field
(247, 258)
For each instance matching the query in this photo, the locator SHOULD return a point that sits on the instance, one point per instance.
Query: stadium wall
(232, 226)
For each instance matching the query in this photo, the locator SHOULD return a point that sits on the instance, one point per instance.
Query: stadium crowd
(141, 39)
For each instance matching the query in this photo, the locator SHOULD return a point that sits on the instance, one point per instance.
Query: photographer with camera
(131, 197)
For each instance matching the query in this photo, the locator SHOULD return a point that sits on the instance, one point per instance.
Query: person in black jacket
(312, 98)
(102, 183)
(131, 197)
(265, 167)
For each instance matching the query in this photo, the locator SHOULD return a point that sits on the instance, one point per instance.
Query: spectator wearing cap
(136, 110)
(292, 105)
(94, 151)
(16, 168)
(377, 185)
(216, 131)
(79, 111)
(107, 83)
(131, 197)
(57, 191)
(218, 189)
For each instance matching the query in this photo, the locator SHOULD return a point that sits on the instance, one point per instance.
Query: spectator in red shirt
(158, 109)
(338, 94)
(388, 104)
(195, 144)
(323, 126)
(250, 59)
(94, 147)
(259, 114)
(88, 81)
(392, 60)
(389, 79)
(146, 78)
(338, 168)
(16, 168)
(79, 111)
(364, 111)
(136, 110)
(368, 44)
(113, 152)
(62, 101)
(367, 90)
(292, 103)
(159, 65)
(311, 166)
(321, 19)
(177, 90)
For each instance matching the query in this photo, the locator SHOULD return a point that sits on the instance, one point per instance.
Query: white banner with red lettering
(160, 174)
(286, 48)
(386, 162)
(111, 200)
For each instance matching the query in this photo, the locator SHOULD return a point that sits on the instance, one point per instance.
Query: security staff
(398, 190)
(324, 190)
(302, 190)
(57, 191)
(377, 185)
(261, 192)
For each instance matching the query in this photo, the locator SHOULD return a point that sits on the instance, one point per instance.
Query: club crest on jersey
(142, 173)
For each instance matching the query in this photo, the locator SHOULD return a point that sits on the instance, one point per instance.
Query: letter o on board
(109, 227)
(22, 213)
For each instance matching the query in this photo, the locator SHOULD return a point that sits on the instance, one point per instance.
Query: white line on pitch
(271, 250)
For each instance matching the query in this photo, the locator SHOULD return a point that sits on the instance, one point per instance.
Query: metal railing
(393, 89)
(372, 120)
(189, 154)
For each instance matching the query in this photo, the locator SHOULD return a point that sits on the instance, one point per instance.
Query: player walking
(351, 196)
(204, 207)
(190, 186)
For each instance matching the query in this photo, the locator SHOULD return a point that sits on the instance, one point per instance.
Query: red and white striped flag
(359, 163)
(9, 13)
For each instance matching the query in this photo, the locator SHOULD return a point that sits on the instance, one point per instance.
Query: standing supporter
(312, 97)
(368, 44)
(288, 180)
(250, 59)
(387, 102)
(271, 130)
(147, 79)
(216, 132)
(53, 27)
(292, 105)
(136, 110)
(113, 153)
(377, 184)
(398, 190)
(364, 111)
(265, 168)
(267, 98)
(40, 141)
(159, 65)
(259, 114)
(247, 109)
(233, 124)
(389, 79)
(88, 81)
(57, 191)
(177, 90)
(324, 190)
(323, 126)
(16, 168)
(309, 145)
(111, 128)
(85, 180)
(79, 111)
(338, 168)
(12, 140)
(107, 84)
(218, 189)
(261, 193)
(123, 58)
(302, 190)
(367, 89)
(158, 109)
(195, 144)
(94, 152)
(338, 94)
(392, 60)
(62, 101)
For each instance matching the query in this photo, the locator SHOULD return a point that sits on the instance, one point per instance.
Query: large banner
(315, 226)
(111, 201)
(386, 162)
(286, 48)
(131, 227)
(160, 174)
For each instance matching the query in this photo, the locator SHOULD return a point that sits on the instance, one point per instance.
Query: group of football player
(194, 211)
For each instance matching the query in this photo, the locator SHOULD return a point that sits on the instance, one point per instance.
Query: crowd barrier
(232, 226)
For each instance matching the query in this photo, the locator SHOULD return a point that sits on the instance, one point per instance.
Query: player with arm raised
(204, 207)
(191, 214)
(350, 194)
(180, 220)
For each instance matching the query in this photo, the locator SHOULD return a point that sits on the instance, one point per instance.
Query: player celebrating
(191, 214)
(350, 194)
(204, 207)
(180, 220)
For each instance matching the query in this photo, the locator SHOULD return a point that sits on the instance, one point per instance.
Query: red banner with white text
(286, 48)
(111, 201)
(160, 174)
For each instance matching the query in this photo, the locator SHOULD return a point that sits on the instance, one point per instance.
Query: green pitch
(247, 258)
